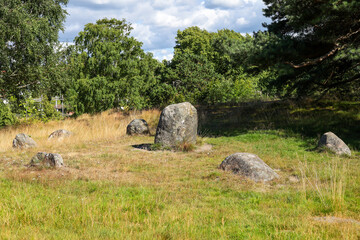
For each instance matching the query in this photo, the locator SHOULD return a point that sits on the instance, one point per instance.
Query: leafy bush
(48, 112)
(162, 94)
(236, 86)
(34, 111)
(6, 116)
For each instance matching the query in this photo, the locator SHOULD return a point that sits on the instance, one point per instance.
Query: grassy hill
(111, 190)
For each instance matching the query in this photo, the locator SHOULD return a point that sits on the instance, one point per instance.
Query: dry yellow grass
(108, 125)
(94, 151)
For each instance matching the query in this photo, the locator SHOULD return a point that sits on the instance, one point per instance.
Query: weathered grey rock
(59, 134)
(332, 142)
(137, 126)
(47, 160)
(178, 124)
(37, 159)
(23, 141)
(248, 165)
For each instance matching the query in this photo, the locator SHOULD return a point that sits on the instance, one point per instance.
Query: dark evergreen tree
(317, 47)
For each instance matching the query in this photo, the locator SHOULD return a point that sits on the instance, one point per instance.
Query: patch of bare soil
(203, 148)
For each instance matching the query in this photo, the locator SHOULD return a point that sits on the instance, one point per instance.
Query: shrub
(6, 116)
(34, 111)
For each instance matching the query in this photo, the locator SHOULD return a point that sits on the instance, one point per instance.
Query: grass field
(111, 190)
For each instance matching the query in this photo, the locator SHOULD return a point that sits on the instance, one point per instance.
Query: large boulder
(178, 124)
(332, 142)
(47, 160)
(23, 141)
(59, 134)
(137, 127)
(248, 165)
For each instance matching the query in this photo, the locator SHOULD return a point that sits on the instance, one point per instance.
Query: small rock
(60, 134)
(47, 160)
(23, 141)
(137, 126)
(332, 142)
(178, 124)
(248, 165)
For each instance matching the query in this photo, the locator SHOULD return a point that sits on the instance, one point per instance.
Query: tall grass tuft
(328, 182)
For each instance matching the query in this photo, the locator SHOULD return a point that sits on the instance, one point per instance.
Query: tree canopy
(207, 67)
(109, 68)
(28, 38)
(311, 48)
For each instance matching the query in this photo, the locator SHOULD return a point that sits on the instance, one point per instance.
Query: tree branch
(317, 60)
(327, 55)
(26, 85)
(13, 74)
(354, 78)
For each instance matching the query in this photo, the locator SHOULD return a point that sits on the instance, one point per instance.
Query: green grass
(307, 119)
(110, 190)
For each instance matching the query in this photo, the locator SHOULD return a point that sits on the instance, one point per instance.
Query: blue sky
(156, 22)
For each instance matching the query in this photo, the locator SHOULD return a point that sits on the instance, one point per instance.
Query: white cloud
(241, 21)
(163, 54)
(143, 33)
(162, 4)
(101, 1)
(223, 4)
(156, 22)
(164, 19)
(74, 28)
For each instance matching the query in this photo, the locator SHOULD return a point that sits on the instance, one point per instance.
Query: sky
(156, 22)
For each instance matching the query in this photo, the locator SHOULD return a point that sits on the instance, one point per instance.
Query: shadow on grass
(144, 146)
(308, 119)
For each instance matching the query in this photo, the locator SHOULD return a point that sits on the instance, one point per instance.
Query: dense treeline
(109, 69)
(311, 48)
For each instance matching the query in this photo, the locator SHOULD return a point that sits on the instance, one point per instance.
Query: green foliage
(110, 68)
(311, 48)
(193, 40)
(162, 94)
(317, 51)
(209, 68)
(48, 111)
(28, 39)
(226, 45)
(106, 49)
(190, 75)
(236, 87)
(6, 116)
(91, 95)
(28, 110)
